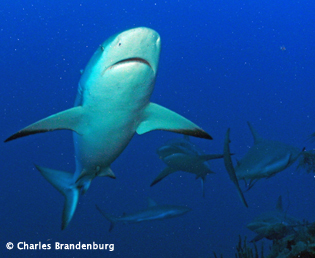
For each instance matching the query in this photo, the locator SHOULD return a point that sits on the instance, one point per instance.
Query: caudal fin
(63, 182)
(109, 217)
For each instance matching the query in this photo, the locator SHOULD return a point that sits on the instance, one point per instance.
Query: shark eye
(119, 44)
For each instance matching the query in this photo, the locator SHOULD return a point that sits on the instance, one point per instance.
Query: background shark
(153, 212)
(273, 225)
(112, 104)
(265, 159)
(183, 155)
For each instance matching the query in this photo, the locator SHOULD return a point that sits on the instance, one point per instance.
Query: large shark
(274, 225)
(153, 212)
(183, 155)
(264, 159)
(112, 104)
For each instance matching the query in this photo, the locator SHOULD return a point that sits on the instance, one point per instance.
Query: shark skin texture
(112, 104)
(153, 212)
(273, 225)
(183, 155)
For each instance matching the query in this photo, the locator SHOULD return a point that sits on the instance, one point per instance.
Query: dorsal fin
(151, 203)
(256, 136)
(279, 206)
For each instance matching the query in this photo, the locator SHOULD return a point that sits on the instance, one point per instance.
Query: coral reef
(243, 250)
(301, 244)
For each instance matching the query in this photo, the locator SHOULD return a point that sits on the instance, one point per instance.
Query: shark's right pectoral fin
(63, 182)
(167, 171)
(229, 166)
(157, 117)
(70, 119)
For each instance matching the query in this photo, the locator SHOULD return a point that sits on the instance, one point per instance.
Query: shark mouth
(132, 59)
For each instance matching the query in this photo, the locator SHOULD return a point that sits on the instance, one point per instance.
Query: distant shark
(274, 225)
(264, 159)
(112, 104)
(153, 212)
(183, 155)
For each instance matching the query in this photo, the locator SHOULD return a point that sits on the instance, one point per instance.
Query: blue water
(221, 65)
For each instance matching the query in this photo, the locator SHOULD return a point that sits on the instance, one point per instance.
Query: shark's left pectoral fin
(70, 119)
(157, 117)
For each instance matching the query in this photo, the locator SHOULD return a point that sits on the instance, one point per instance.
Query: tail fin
(63, 182)
(164, 173)
(109, 217)
(229, 166)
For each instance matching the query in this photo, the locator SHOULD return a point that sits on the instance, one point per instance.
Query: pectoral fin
(159, 118)
(167, 171)
(70, 119)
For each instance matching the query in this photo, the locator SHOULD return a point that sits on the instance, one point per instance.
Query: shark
(274, 225)
(112, 104)
(183, 155)
(153, 212)
(264, 159)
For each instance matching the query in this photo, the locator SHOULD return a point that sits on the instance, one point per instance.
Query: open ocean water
(223, 63)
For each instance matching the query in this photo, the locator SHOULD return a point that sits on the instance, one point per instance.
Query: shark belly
(114, 113)
(98, 148)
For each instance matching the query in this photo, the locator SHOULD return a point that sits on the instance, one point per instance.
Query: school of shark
(113, 104)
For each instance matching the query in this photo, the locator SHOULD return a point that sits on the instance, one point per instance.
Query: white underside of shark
(112, 104)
